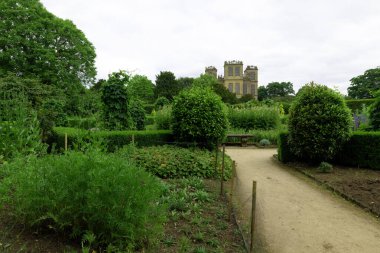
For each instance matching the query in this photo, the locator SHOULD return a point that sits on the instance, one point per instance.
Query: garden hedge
(113, 139)
(357, 104)
(361, 150)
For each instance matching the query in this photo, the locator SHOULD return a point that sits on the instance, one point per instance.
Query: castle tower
(233, 77)
(212, 71)
(250, 85)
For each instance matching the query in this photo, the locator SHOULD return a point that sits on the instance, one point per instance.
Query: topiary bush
(319, 123)
(163, 118)
(199, 116)
(374, 114)
(78, 194)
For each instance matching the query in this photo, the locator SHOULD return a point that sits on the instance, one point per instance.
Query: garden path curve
(294, 214)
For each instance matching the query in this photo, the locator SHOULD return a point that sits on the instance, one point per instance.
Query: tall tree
(210, 81)
(262, 93)
(364, 86)
(279, 89)
(35, 43)
(185, 82)
(140, 87)
(166, 85)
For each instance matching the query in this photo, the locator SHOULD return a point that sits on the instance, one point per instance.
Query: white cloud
(290, 40)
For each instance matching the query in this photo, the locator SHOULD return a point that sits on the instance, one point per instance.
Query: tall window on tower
(245, 88)
(237, 71)
(230, 71)
(231, 87)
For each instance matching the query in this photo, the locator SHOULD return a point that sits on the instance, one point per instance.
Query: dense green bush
(284, 152)
(79, 194)
(82, 123)
(319, 123)
(20, 133)
(361, 150)
(115, 102)
(374, 114)
(199, 116)
(176, 162)
(357, 104)
(137, 113)
(163, 118)
(113, 139)
(260, 118)
(161, 102)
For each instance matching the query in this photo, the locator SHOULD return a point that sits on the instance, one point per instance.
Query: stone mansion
(235, 80)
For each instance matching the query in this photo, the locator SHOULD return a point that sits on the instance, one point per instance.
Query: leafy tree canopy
(166, 85)
(279, 89)
(185, 82)
(262, 93)
(209, 81)
(364, 86)
(140, 87)
(35, 43)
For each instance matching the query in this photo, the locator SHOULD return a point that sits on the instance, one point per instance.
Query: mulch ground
(360, 185)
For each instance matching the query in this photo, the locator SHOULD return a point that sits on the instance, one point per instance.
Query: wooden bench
(243, 138)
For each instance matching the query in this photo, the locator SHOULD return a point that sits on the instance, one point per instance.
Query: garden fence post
(65, 141)
(253, 214)
(216, 158)
(222, 176)
(133, 139)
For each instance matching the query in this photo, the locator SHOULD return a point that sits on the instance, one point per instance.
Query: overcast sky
(326, 41)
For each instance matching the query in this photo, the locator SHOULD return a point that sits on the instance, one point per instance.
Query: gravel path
(294, 214)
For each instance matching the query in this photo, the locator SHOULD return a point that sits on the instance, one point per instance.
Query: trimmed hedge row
(357, 104)
(113, 139)
(361, 150)
(82, 123)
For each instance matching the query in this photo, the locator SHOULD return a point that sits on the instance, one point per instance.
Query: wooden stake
(253, 214)
(232, 189)
(133, 139)
(66, 142)
(216, 158)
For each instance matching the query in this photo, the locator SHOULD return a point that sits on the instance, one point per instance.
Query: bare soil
(295, 214)
(361, 185)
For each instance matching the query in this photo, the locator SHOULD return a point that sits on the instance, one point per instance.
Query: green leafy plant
(258, 118)
(375, 113)
(137, 112)
(319, 123)
(199, 116)
(176, 162)
(163, 118)
(83, 194)
(264, 142)
(325, 167)
(116, 115)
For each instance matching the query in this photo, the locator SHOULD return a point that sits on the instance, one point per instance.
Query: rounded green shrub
(163, 118)
(137, 112)
(319, 123)
(199, 115)
(374, 115)
(78, 194)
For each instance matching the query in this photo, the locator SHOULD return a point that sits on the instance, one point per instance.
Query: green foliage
(82, 123)
(375, 113)
(161, 102)
(261, 118)
(319, 123)
(284, 152)
(258, 135)
(19, 129)
(33, 89)
(141, 88)
(262, 93)
(115, 102)
(357, 104)
(185, 82)
(35, 43)
(199, 116)
(361, 150)
(364, 86)
(166, 85)
(113, 139)
(279, 89)
(325, 167)
(264, 142)
(176, 162)
(208, 81)
(51, 114)
(163, 118)
(79, 194)
(137, 113)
